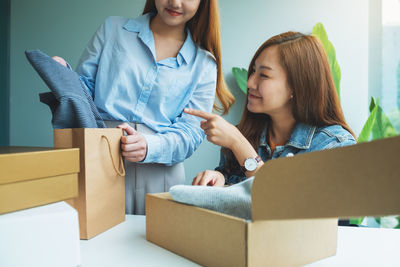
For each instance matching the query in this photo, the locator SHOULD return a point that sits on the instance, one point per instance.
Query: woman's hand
(133, 145)
(218, 131)
(222, 133)
(208, 177)
(60, 60)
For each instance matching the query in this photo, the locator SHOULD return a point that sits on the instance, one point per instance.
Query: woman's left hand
(218, 131)
(133, 145)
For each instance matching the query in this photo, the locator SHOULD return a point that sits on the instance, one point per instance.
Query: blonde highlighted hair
(205, 30)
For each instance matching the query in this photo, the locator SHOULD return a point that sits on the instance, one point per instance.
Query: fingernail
(186, 110)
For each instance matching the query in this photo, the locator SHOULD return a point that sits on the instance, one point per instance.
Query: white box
(41, 236)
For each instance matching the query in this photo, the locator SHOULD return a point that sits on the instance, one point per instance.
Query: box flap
(26, 163)
(359, 180)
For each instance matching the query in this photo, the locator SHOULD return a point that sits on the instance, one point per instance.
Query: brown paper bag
(101, 200)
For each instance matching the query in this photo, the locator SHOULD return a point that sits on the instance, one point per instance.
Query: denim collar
(141, 25)
(300, 138)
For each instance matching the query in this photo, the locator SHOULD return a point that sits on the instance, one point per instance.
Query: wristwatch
(250, 164)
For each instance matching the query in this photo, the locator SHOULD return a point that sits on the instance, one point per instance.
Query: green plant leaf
(377, 128)
(382, 127)
(240, 75)
(356, 221)
(388, 222)
(320, 33)
(371, 104)
(367, 128)
(388, 129)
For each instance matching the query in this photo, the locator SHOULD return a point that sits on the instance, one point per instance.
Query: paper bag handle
(112, 159)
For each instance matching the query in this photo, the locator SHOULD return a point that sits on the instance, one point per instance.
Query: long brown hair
(315, 101)
(205, 30)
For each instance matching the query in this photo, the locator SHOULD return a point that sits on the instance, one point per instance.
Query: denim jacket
(304, 138)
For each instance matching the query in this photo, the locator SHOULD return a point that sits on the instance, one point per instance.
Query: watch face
(250, 164)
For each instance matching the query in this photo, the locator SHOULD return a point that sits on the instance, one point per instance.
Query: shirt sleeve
(231, 177)
(88, 63)
(178, 141)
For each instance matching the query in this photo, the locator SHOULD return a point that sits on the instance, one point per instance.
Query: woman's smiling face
(176, 12)
(268, 90)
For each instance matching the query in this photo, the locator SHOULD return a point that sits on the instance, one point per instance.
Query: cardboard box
(33, 176)
(44, 236)
(295, 205)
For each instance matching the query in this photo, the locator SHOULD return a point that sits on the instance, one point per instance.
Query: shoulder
(331, 136)
(204, 57)
(112, 24)
(207, 59)
(116, 21)
(207, 56)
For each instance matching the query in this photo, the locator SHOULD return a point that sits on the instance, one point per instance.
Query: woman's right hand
(60, 60)
(210, 178)
(217, 129)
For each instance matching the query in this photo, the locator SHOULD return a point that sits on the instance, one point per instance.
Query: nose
(251, 82)
(175, 3)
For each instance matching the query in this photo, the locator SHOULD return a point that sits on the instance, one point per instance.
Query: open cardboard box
(295, 205)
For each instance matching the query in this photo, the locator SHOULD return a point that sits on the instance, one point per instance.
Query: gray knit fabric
(70, 103)
(234, 200)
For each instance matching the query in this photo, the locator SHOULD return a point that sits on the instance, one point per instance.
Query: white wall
(64, 27)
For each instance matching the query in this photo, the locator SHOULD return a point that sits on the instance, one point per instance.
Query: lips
(253, 96)
(173, 13)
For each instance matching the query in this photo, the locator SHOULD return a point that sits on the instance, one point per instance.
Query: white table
(126, 245)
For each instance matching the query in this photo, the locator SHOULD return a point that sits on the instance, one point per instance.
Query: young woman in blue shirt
(144, 72)
(292, 107)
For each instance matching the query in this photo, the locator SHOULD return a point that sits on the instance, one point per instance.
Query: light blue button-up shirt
(126, 82)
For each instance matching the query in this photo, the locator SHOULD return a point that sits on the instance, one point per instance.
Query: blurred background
(365, 34)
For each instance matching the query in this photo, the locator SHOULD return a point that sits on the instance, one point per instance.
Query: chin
(251, 108)
(172, 21)
(254, 109)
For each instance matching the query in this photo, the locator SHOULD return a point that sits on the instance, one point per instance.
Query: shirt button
(154, 67)
(146, 88)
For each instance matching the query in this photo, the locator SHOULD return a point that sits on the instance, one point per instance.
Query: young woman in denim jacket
(144, 72)
(292, 108)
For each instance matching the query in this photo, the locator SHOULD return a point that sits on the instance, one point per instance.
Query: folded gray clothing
(70, 103)
(234, 200)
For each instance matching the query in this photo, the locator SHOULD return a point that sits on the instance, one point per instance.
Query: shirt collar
(300, 138)
(188, 49)
(141, 25)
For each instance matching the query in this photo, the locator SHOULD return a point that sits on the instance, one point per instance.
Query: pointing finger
(199, 113)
